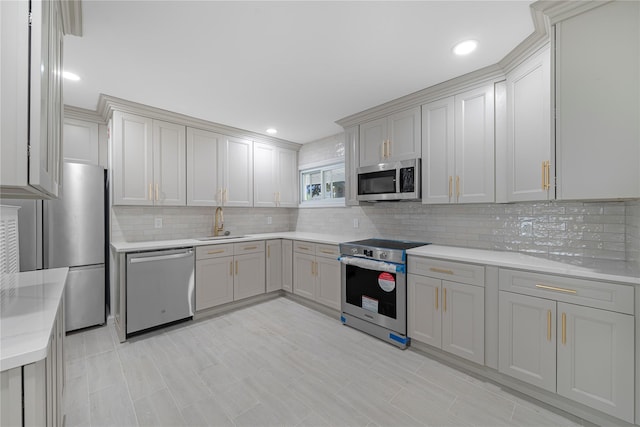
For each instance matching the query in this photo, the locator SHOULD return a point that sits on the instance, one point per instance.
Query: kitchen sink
(204, 239)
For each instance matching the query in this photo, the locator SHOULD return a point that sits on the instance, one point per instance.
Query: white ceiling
(297, 66)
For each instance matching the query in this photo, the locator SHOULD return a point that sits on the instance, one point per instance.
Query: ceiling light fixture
(70, 76)
(272, 131)
(465, 47)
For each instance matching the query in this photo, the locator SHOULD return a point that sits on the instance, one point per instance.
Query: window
(322, 186)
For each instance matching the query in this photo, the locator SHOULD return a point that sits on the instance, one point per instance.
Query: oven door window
(382, 182)
(371, 290)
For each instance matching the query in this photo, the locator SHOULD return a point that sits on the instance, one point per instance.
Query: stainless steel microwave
(390, 181)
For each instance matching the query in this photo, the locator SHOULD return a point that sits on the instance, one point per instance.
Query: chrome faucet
(218, 224)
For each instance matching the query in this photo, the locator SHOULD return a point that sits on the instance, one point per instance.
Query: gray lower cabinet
(287, 265)
(316, 273)
(446, 314)
(229, 272)
(569, 336)
(32, 395)
(274, 265)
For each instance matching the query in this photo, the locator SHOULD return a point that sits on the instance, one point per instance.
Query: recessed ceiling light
(272, 131)
(465, 47)
(70, 76)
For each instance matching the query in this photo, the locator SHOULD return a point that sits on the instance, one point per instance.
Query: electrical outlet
(269, 220)
(158, 222)
(526, 228)
(356, 223)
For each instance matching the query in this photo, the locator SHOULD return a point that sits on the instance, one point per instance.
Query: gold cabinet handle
(220, 195)
(236, 268)
(304, 248)
(548, 325)
(388, 148)
(157, 198)
(150, 191)
(437, 298)
(444, 296)
(440, 270)
(564, 328)
(230, 268)
(327, 252)
(544, 175)
(553, 288)
(219, 251)
(450, 186)
(225, 196)
(313, 273)
(248, 248)
(457, 187)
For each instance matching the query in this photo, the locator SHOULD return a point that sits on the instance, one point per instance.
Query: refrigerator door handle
(160, 257)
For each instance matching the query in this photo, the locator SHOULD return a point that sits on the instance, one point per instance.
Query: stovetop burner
(388, 244)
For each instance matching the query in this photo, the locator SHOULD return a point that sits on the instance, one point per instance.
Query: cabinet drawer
(470, 274)
(214, 251)
(304, 247)
(590, 293)
(328, 251)
(248, 247)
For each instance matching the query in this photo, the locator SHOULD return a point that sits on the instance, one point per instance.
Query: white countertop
(167, 244)
(615, 271)
(29, 303)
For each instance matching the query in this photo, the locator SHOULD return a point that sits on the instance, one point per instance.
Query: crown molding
(71, 112)
(71, 17)
(107, 104)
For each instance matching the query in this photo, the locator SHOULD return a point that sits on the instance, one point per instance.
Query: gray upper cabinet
(202, 167)
(396, 137)
(275, 176)
(31, 101)
(530, 173)
(597, 75)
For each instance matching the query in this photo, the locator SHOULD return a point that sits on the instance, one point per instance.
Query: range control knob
(354, 250)
(383, 255)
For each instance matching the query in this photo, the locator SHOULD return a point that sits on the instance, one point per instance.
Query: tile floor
(275, 363)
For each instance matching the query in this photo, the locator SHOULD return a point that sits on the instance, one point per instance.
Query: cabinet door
(527, 339)
(214, 282)
(303, 274)
(373, 135)
(249, 275)
(529, 130)
(238, 172)
(327, 288)
(81, 141)
(287, 265)
(404, 135)
(133, 160)
(438, 149)
(597, 75)
(287, 178)
(202, 167)
(45, 104)
(474, 146)
(265, 173)
(169, 162)
(274, 265)
(595, 359)
(424, 309)
(351, 159)
(463, 320)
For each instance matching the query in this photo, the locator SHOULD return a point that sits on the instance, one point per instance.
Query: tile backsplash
(136, 224)
(595, 230)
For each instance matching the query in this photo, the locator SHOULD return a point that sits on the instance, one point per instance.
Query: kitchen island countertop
(29, 301)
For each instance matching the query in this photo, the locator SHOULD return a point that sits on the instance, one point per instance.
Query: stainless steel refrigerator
(70, 232)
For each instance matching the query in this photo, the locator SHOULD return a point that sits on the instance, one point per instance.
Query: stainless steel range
(374, 287)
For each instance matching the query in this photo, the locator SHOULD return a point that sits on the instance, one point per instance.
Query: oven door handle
(371, 264)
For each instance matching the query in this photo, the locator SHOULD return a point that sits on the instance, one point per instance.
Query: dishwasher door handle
(160, 257)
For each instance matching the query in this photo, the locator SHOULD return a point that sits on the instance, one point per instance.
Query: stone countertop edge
(587, 268)
(30, 301)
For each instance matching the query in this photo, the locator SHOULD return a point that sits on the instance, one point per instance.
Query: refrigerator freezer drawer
(85, 297)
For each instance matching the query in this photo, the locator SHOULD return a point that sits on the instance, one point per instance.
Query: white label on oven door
(387, 282)
(369, 304)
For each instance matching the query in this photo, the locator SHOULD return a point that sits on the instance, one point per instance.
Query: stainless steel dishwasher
(160, 288)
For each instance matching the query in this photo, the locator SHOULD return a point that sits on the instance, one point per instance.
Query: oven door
(375, 296)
